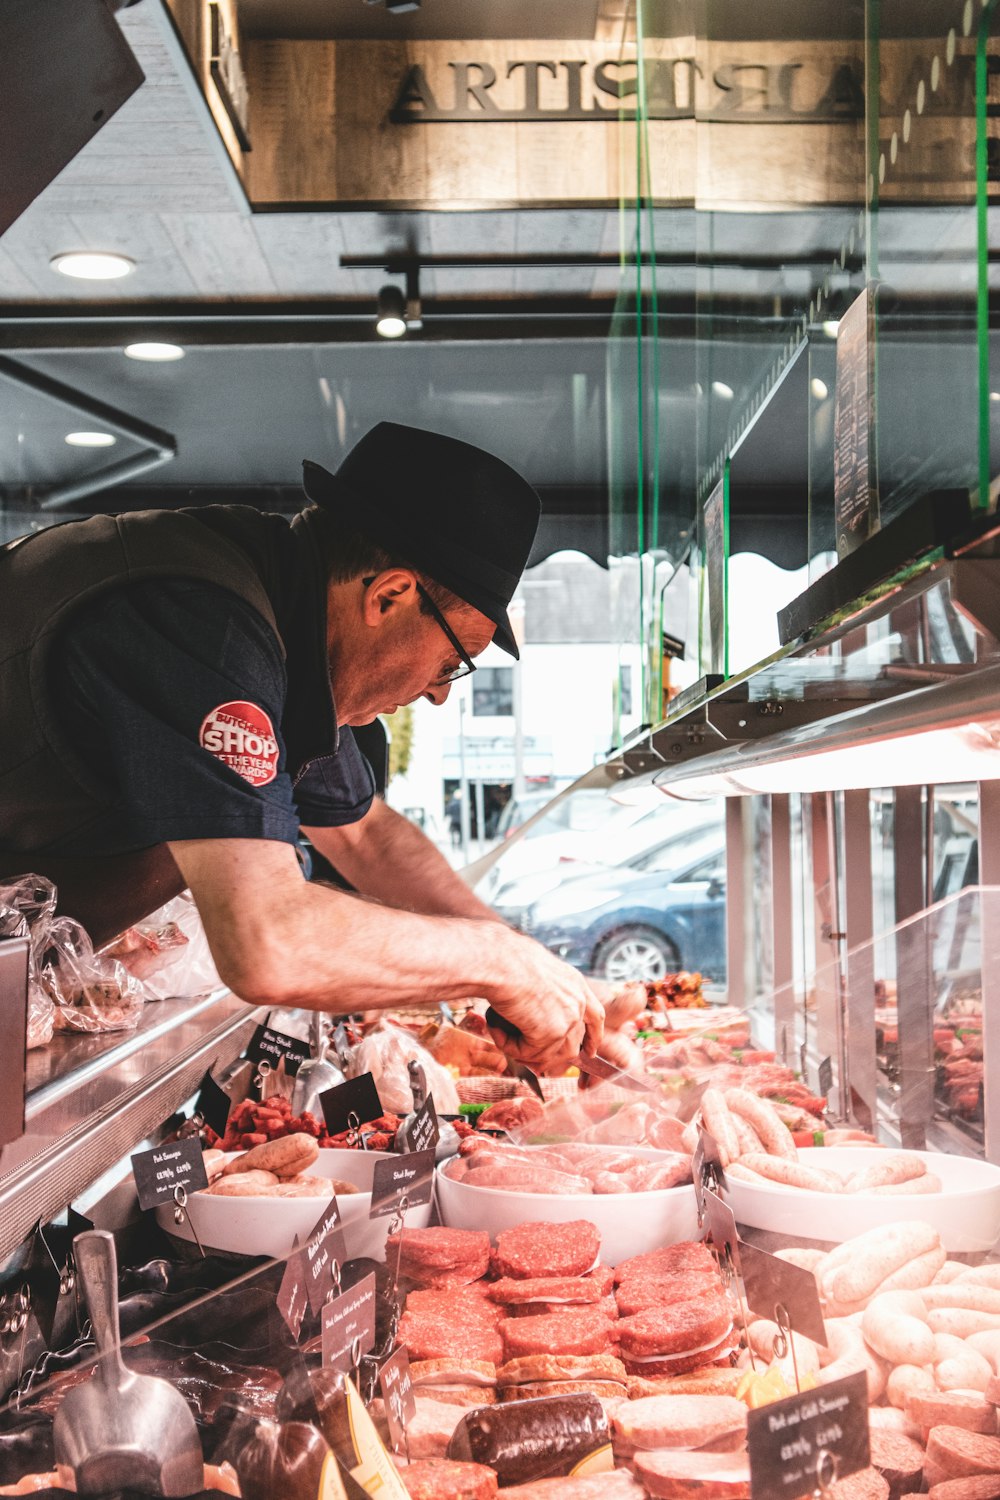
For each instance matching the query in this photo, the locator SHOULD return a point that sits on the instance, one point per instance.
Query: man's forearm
(387, 856)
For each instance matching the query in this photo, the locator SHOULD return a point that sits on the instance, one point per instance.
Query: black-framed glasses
(468, 665)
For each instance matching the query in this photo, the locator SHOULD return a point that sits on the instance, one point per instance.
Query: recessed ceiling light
(154, 353)
(93, 265)
(90, 439)
(819, 388)
(722, 389)
(830, 327)
(995, 395)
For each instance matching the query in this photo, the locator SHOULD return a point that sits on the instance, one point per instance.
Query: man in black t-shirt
(180, 691)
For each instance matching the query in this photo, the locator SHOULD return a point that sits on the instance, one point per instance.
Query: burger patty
(570, 1289)
(583, 1332)
(672, 1260)
(534, 1367)
(675, 1329)
(467, 1305)
(540, 1249)
(441, 1257)
(431, 1337)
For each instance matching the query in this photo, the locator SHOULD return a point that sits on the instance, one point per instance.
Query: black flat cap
(456, 512)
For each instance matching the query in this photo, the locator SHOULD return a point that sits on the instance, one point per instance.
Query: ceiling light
(995, 395)
(819, 388)
(154, 353)
(722, 389)
(390, 320)
(90, 439)
(830, 327)
(93, 265)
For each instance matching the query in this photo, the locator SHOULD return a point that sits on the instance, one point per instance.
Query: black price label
(808, 1441)
(397, 1394)
(324, 1249)
(358, 1097)
(772, 1284)
(825, 1076)
(349, 1325)
(397, 1177)
(160, 1171)
(213, 1104)
(423, 1131)
(273, 1047)
(293, 1298)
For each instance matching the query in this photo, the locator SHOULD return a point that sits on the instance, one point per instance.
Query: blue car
(640, 922)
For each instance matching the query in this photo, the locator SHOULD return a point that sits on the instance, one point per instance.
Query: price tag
(324, 1247)
(410, 1176)
(809, 1441)
(397, 1394)
(358, 1097)
(770, 1283)
(720, 1229)
(293, 1298)
(273, 1046)
(213, 1104)
(159, 1171)
(349, 1325)
(706, 1168)
(423, 1131)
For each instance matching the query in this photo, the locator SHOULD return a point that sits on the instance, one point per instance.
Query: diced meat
(542, 1249)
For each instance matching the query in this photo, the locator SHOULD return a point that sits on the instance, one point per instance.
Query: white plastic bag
(386, 1053)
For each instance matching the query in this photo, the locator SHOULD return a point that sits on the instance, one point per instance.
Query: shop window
(493, 692)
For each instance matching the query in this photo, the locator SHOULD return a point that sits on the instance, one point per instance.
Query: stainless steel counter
(92, 1098)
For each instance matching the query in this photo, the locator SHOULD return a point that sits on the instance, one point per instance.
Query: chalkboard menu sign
(855, 483)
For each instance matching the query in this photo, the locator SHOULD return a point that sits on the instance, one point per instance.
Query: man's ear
(387, 591)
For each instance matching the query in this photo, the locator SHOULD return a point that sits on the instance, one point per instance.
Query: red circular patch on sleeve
(242, 736)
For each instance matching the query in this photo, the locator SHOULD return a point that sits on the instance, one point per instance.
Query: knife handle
(501, 1023)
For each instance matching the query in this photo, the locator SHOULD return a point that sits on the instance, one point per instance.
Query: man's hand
(555, 1012)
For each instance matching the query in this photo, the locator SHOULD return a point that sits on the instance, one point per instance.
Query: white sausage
(877, 1255)
(894, 1326)
(806, 1260)
(746, 1135)
(911, 1188)
(982, 1275)
(974, 1298)
(791, 1173)
(765, 1120)
(949, 1272)
(988, 1345)
(895, 1167)
(852, 1354)
(906, 1380)
(968, 1371)
(962, 1322)
(717, 1121)
(916, 1274)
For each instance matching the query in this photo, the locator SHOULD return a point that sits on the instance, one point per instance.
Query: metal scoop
(121, 1430)
(317, 1074)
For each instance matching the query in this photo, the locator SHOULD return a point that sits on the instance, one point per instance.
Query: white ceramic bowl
(966, 1213)
(629, 1223)
(268, 1226)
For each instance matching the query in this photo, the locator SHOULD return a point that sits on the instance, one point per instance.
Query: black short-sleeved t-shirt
(173, 692)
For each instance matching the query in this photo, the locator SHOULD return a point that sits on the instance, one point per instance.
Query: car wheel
(636, 953)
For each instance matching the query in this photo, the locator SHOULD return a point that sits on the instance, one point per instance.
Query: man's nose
(438, 694)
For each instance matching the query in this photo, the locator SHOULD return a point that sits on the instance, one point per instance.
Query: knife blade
(514, 1069)
(599, 1067)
